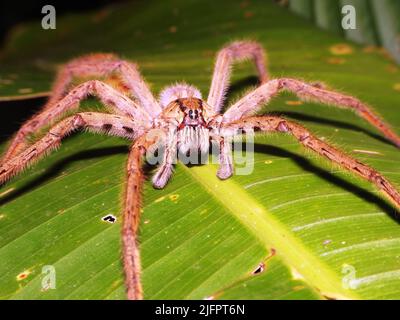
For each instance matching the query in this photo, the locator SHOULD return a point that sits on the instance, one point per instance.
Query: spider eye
(193, 114)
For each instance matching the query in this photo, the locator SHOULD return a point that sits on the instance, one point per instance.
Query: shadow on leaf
(269, 150)
(58, 167)
(308, 166)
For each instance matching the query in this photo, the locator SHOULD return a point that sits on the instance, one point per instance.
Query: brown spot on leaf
(23, 275)
(396, 87)
(341, 49)
(174, 197)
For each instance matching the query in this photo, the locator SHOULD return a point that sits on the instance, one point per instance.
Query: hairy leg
(238, 50)
(102, 65)
(133, 199)
(98, 122)
(132, 210)
(118, 102)
(164, 172)
(278, 124)
(255, 100)
(225, 170)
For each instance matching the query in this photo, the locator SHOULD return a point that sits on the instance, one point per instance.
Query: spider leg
(118, 102)
(164, 172)
(132, 210)
(253, 101)
(238, 50)
(225, 170)
(308, 140)
(98, 122)
(102, 65)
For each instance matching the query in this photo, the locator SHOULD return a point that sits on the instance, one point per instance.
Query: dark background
(15, 12)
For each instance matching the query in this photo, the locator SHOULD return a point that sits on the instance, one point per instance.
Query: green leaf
(303, 8)
(201, 237)
(327, 15)
(377, 21)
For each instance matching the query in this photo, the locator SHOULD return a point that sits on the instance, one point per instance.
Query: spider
(186, 121)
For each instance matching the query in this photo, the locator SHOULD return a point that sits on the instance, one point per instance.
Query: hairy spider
(186, 122)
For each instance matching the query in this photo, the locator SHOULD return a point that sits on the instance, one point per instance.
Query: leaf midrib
(271, 233)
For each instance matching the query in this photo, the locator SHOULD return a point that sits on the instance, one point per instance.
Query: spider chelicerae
(179, 121)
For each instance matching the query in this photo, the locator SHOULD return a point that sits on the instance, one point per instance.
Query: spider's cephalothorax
(186, 121)
(190, 118)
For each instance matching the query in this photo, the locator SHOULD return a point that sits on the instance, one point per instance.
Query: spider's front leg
(236, 51)
(253, 101)
(131, 220)
(307, 139)
(98, 122)
(118, 102)
(225, 170)
(164, 172)
(132, 210)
